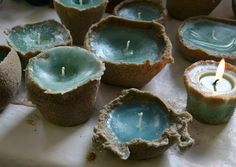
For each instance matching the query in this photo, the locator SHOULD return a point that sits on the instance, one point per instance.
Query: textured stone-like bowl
(77, 20)
(182, 9)
(133, 74)
(10, 75)
(139, 148)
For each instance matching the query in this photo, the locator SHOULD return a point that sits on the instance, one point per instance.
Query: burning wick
(63, 69)
(139, 15)
(127, 45)
(38, 38)
(219, 73)
(81, 2)
(140, 118)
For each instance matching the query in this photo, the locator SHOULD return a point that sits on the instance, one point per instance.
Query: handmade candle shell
(60, 104)
(10, 75)
(78, 20)
(234, 6)
(205, 105)
(126, 73)
(155, 6)
(198, 45)
(139, 148)
(25, 43)
(182, 9)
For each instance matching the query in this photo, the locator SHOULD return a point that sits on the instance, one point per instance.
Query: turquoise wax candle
(138, 120)
(140, 10)
(63, 83)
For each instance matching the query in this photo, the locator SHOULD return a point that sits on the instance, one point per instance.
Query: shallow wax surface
(211, 36)
(80, 67)
(38, 37)
(124, 119)
(109, 43)
(85, 4)
(148, 11)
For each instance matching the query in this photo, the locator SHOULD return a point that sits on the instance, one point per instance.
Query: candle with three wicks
(211, 89)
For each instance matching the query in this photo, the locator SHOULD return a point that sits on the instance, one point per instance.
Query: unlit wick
(81, 2)
(127, 45)
(38, 38)
(63, 69)
(140, 119)
(139, 15)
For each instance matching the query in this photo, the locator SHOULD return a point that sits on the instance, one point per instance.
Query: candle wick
(214, 84)
(140, 118)
(38, 38)
(139, 15)
(127, 45)
(81, 2)
(63, 69)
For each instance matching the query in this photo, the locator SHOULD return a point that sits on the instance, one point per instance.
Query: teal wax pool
(213, 37)
(77, 3)
(140, 11)
(39, 36)
(64, 68)
(123, 121)
(110, 44)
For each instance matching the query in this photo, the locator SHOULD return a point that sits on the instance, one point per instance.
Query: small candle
(79, 15)
(139, 125)
(62, 82)
(31, 39)
(207, 38)
(211, 91)
(140, 10)
(134, 52)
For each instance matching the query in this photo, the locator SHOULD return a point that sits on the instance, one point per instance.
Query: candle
(140, 10)
(211, 91)
(10, 75)
(202, 38)
(30, 39)
(62, 82)
(182, 9)
(139, 125)
(234, 6)
(79, 15)
(38, 2)
(134, 52)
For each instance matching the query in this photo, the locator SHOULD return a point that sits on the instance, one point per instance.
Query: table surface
(26, 139)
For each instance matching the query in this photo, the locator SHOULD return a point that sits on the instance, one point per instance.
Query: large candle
(140, 10)
(63, 83)
(134, 52)
(211, 92)
(31, 39)
(139, 125)
(79, 15)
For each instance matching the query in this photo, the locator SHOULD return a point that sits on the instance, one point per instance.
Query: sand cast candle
(10, 75)
(211, 89)
(139, 125)
(31, 39)
(79, 15)
(62, 82)
(207, 38)
(133, 52)
(141, 10)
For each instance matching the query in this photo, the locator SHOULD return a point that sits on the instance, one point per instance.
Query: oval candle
(31, 39)
(79, 15)
(129, 49)
(140, 10)
(63, 83)
(210, 100)
(10, 75)
(139, 125)
(202, 38)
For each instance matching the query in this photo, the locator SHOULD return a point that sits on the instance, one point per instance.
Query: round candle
(63, 83)
(139, 125)
(140, 10)
(130, 49)
(207, 38)
(210, 99)
(30, 39)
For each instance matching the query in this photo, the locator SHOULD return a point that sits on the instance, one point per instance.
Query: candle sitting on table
(211, 89)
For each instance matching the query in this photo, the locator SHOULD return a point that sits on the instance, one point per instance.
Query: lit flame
(220, 70)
